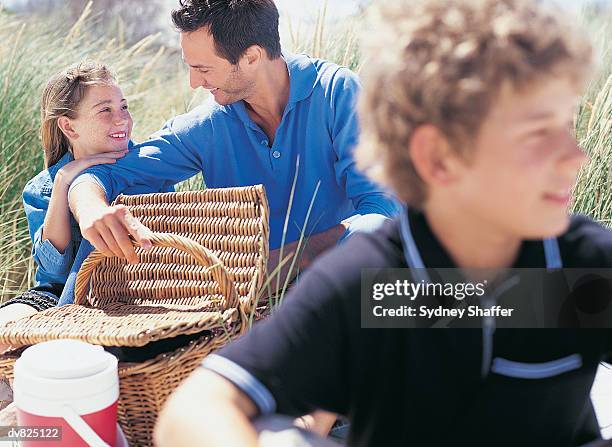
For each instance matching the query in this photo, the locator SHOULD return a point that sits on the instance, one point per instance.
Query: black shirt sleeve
(587, 244)
(299, 353)
(311, 353)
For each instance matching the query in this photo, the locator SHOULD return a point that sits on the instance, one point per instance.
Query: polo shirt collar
(302, 76)
(531, 253)
(302, 80)
(432, 252)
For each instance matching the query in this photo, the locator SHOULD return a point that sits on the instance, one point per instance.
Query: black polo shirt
(421, 386)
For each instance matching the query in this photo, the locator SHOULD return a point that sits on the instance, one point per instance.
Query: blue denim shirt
(319, 127)
(53, 266)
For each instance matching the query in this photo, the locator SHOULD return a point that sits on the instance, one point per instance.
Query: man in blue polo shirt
(286, 121)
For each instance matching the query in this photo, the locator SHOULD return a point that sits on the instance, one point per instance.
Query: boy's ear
(431, 155)
(63, 122)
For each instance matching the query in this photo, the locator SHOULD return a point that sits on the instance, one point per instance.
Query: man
(286, 121)
(467, 114)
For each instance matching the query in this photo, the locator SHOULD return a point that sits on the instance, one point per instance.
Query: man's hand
(109, 228)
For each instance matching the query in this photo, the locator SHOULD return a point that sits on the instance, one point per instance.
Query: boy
(467, 112)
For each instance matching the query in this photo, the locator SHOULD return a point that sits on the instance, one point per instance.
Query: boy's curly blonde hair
(443, 62)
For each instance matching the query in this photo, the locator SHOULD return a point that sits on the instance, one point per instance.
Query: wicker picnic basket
(202, 276)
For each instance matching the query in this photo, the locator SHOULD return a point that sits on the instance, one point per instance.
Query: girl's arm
(56, 227)
(52, 265)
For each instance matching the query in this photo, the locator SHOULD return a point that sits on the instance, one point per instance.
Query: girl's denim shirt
(52, 265)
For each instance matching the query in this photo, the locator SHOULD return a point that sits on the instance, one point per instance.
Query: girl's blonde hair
(61, 97)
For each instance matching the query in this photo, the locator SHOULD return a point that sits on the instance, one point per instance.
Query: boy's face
(524, 161)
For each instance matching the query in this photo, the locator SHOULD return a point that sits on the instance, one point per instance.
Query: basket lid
(118, 324)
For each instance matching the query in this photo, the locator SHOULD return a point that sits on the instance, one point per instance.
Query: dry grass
(155, 81)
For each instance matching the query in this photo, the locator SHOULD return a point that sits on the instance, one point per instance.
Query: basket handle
(204, 257)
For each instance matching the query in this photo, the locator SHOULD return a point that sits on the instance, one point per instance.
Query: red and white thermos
(68, 384)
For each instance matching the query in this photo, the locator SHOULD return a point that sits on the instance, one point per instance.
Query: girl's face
(103, 122)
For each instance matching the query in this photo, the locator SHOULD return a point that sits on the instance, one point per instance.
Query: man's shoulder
(197, 117)
(328, 74)
(334, 77)
(328, 68)
(586, 243)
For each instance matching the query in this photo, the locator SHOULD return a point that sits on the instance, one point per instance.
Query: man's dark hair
(235, 25)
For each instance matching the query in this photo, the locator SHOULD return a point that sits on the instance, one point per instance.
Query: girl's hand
(68, 173)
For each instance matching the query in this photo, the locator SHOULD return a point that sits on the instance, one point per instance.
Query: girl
(84, 122)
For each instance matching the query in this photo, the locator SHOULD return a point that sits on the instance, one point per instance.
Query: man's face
(524, 161)
(227, 82)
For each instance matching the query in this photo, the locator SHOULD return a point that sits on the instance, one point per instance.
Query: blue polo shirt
(312, 155)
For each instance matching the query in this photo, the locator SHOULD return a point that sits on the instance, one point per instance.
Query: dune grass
(155, 82)
(592, 194)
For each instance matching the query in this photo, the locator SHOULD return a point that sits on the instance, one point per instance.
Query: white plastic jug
(71, 387)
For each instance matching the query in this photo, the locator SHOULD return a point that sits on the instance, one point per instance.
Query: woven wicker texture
(179, 287)
(210, 250)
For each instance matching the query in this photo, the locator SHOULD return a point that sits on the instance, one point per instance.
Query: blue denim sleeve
(373, 205)
(168, 157)
(47, 257)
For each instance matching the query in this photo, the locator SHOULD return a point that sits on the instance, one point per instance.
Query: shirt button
(264, 142)
(276, 154)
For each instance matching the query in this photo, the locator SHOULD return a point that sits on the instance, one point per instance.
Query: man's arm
(373, 205)
(108, 228)
(207, 410)
(168, 157)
